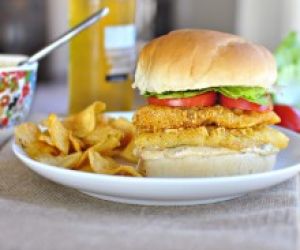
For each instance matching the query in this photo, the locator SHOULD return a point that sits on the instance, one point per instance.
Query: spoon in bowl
(66, 37)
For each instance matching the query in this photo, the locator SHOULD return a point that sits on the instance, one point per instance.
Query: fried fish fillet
(153, 118)
(212, 136)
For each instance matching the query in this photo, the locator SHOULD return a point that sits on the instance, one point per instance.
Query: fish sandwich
(209, 106)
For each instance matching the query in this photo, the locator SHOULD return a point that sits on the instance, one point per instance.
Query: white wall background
(208, 14)
(57, 24)
(267, 21)
(263, 21)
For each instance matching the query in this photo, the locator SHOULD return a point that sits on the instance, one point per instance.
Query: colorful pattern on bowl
(16, 94)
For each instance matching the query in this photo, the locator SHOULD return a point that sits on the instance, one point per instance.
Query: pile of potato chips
(86, 141)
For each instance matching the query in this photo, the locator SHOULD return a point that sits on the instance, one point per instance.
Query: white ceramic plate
(170, 191)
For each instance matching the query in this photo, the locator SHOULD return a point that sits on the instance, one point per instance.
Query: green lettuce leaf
(176, 94)
(253, 94)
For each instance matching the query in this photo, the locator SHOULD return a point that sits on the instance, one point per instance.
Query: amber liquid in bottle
(102, 57)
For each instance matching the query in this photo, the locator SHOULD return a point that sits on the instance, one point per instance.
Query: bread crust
(208, 166)
(196, 59)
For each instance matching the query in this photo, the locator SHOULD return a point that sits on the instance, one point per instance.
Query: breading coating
(212, 136)
(153, 118)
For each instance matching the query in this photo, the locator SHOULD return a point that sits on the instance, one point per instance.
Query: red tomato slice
(290, 116)
(204, 100)
(243, 104)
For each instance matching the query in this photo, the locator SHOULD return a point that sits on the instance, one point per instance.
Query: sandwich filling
(257, 95)
(179, 131)
(186, 151)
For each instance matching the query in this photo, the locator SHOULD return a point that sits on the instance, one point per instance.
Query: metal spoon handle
(66, 36)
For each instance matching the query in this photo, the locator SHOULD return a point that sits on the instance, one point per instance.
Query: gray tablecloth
(37, 214)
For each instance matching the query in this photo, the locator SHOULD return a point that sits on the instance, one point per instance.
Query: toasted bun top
(197, 59)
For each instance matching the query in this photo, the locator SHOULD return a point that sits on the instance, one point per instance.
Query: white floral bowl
(17, 85)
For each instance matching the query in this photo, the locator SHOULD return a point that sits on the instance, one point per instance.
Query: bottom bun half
(208, 166)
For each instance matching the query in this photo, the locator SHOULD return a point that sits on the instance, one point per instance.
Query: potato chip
(106, 165)
(82, 161)
(107, 146)
(76, 143)
(26, 134)
(59, 134)
(65, 161)
(126, 127)
(100, 134)
(87, 168)
(122, 124)
(86, 141)
(127, 153)
(126, 170)
(101, 119)
(38, 148)
(141, 169)
(45, 137)
(83, 123)
(101, 164)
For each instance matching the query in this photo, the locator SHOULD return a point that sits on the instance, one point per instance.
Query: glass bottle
(102, 58)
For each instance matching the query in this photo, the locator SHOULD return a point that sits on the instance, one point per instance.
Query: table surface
(38, 214)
